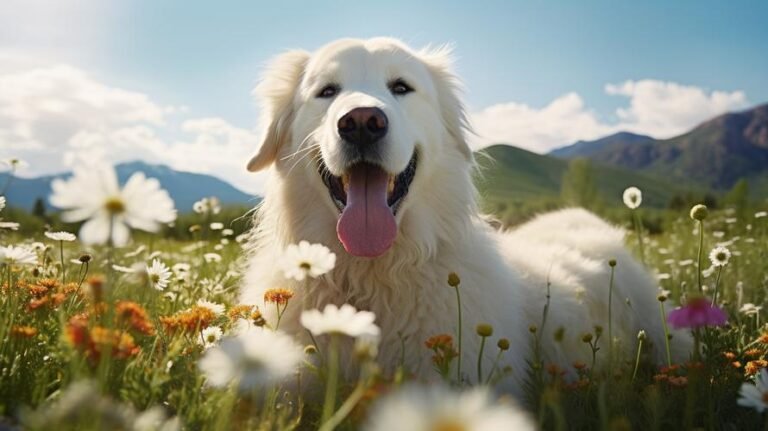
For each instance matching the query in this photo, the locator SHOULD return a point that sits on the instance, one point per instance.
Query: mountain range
(715, 154)
(185, 188)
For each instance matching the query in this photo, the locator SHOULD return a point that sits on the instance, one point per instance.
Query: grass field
(95, 337)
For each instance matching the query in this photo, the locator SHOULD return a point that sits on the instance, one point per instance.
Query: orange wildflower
(279, 296)
(764, 338)
(23, 331)
(729, 356)
(680, 381)
(192, 320)
(753, 353)
(660, 378)
(753, 367)
(34, 304)
(239, 311)
(95, 341)
(133, 314)
(444, 353)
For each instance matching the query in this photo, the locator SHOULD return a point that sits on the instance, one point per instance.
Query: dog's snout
(362, 126)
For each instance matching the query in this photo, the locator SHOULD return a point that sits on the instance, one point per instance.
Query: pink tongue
(367, 226)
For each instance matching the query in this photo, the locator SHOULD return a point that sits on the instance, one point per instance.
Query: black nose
(363, 126)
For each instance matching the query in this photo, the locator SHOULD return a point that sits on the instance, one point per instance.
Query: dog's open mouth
(368, 199)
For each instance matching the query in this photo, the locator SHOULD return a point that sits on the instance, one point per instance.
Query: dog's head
(368, 121)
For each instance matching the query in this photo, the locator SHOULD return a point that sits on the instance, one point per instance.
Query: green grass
(49, 381)
(510, 174)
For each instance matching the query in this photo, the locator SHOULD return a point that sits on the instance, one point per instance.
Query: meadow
(135, 324)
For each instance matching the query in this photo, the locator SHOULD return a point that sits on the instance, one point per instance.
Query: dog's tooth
(345, 182)
(391, 185)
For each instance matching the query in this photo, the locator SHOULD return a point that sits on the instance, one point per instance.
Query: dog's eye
(399, 87)
(328, 91)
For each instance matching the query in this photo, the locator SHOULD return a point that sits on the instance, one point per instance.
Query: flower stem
(666, 333)
(637, 361)
(331, 383)
(480, 362)
(701, 248)
(458, 336)
(63, 268)
(346, 408)
(717, 283)
(639, 230)
(494, 367)
(610, 316)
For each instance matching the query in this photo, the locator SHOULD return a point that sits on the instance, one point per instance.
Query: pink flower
(696, 313)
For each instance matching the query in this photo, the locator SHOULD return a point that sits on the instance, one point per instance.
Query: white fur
(503, 275)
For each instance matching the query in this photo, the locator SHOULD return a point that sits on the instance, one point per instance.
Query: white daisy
(252, 359)
(633, 197)
(720, 256)
(61, 236)
(761, 214)
(9, 225)
(345, 320)
(158, 274)
(227, 232)
(181, 268)
(305, 259)
(38, 246)
(212, 257)
(750, 309)
(14, 163)
(755, 396)
(213, 306)
(93, 194)
(424, 408)
(17, 256)
(210, 336)
(128, 269)
(140, 249)
(209, 205)
(217, 226)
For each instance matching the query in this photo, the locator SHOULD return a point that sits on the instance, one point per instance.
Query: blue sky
(541, 66)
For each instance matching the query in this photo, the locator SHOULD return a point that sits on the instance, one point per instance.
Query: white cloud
(666, 109)
(56, 115)
(565, 119)
(656, 108)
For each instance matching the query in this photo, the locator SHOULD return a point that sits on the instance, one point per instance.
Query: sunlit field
(119, 314)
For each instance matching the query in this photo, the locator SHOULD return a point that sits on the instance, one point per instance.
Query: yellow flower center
(305, 266)
(114, 205)
(448, 425)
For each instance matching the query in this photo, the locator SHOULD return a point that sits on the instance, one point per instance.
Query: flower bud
(699, 212)
(484, 330)
(612, 263)
(503, 344)
(453, 279)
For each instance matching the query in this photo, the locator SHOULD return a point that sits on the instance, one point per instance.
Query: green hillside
(511, 175)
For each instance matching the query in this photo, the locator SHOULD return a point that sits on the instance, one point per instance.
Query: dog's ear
(439, 61)
(276, 92)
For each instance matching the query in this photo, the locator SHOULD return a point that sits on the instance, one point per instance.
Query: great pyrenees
(366, 144)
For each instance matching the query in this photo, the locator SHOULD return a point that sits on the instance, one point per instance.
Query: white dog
(366, 144)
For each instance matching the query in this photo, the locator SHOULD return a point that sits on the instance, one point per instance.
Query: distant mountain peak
(715, 154)
(586, 148)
